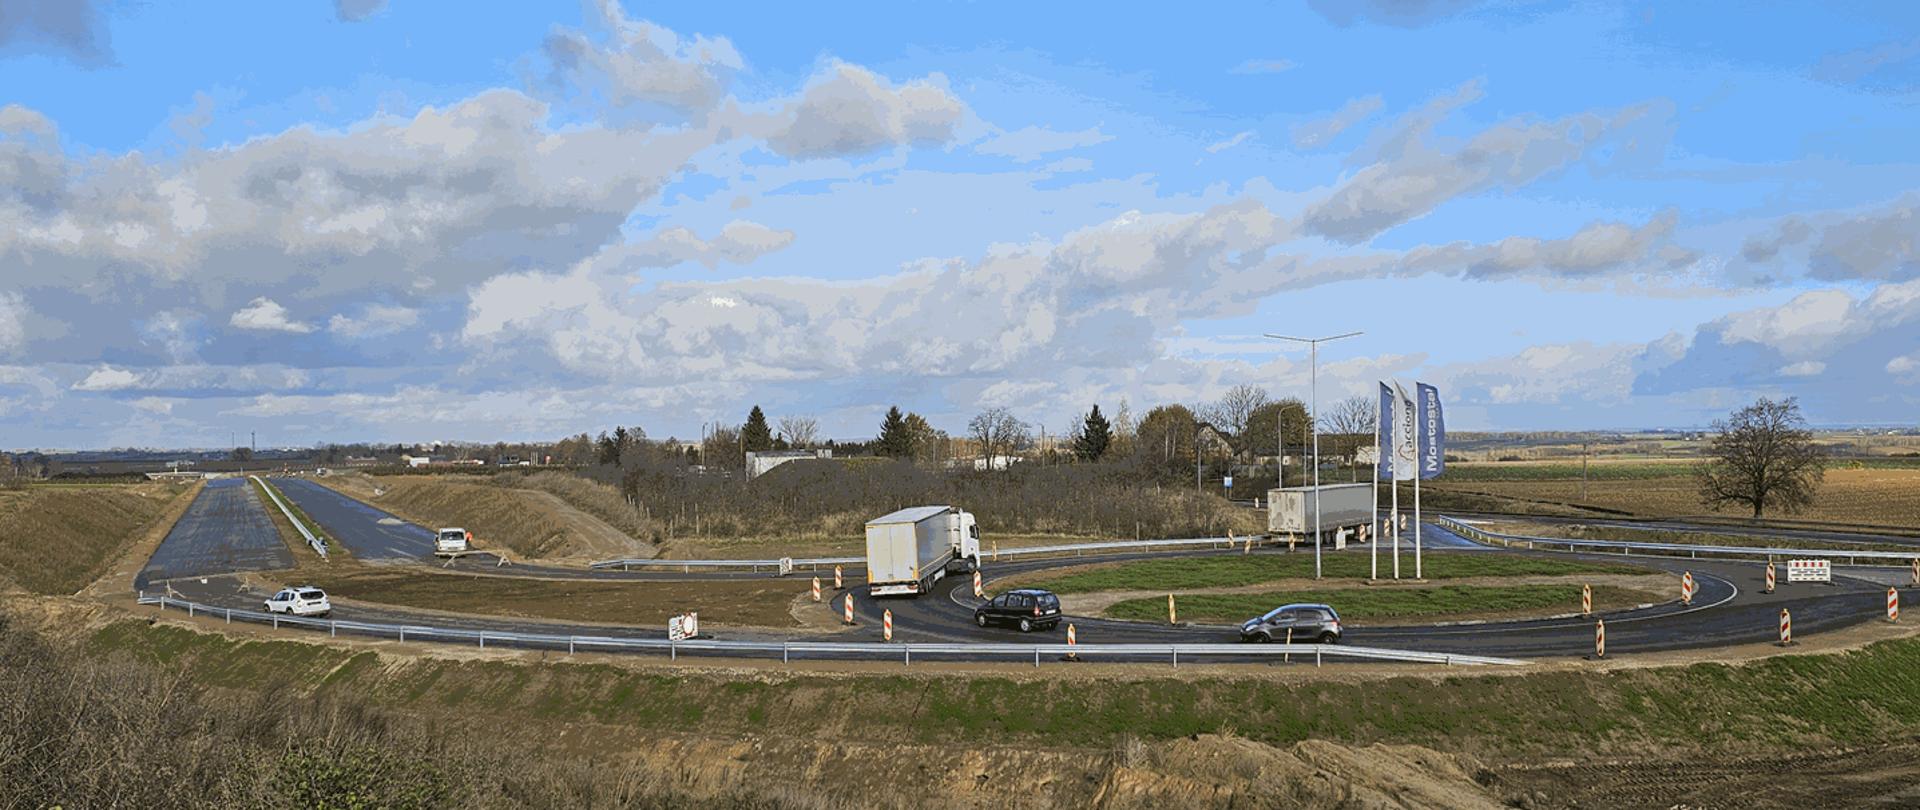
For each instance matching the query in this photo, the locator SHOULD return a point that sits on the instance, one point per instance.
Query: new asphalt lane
(370, 534)
(225, 529)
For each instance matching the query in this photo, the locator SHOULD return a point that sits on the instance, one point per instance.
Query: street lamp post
(1313, 419)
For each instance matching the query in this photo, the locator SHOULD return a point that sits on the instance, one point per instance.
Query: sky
(404, 221)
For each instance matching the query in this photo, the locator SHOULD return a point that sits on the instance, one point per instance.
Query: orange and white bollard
(1599, 638)
(978, 591)
(1172, 617)
(1586, 600)
(849, 612)
(1916, 572)
(838, 583)
(1248, 549)
(816, 589)
(886, 624)
(1786, 628)
(1071, 640)
(1769, 578)
(1893, 604)
(1686, 588)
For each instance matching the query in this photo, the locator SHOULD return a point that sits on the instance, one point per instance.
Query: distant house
(760, 462)
(416, 461)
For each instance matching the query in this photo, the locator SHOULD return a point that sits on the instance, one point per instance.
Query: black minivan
(1027, 609)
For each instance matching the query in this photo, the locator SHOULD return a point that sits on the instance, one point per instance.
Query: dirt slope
(528, 523)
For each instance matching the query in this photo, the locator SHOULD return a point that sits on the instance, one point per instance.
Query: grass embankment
(530, 524)
(756, 602)
(56, 539)
(1175, 574)
(1860, 495)
(1362, 604)
(1602, 532)
(1787, 702)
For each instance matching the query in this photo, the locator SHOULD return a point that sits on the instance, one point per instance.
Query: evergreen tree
(755, 435)
(896, 438)
(1095, 437)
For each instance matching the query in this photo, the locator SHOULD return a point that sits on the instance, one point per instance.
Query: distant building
(760, 462)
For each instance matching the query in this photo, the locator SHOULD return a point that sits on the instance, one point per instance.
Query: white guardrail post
(319, 547)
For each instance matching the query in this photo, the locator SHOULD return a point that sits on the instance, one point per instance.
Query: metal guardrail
(1852, 557)
(815, 563)
(789, 650)
(319, 546)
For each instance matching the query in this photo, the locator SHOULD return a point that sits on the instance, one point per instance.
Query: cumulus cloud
(1028, 144)
(739, 242)
(108, 378)
(13, 330)
(637, 62)
(849, 110)
(1597, 249)
(265, 315)
(72, 28)
(195, 379)
(1317, 132)
(1413, 173)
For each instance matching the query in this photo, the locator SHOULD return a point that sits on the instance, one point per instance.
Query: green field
(1361, 604)
(1176, 574)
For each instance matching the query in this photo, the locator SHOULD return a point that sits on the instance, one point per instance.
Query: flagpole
(1393, 472)
(1373, 514)
(1418, 428)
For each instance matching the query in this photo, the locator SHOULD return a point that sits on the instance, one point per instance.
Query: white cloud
(264, 315)
(1229, 143)
(108, 378)
(1317, 132)
(1028, 144)
(357, 10)
(1804, 368)
(643, 62)
(848, 110)
(13, 329)
(374, 320)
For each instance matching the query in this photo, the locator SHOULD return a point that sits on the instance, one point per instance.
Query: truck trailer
(1342, 506)
(909, 550)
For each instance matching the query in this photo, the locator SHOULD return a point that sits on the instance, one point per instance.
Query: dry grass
(55, 540)
(1871, 497)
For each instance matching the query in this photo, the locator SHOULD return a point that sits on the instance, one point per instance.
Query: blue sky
(405, 221)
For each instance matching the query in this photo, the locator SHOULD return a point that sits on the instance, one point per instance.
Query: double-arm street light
(1313, 418)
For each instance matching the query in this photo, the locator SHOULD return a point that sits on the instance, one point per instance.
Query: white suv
(308, 601)
(451, 540)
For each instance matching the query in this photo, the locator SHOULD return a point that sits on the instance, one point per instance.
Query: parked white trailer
(1342, 506)
(909, 550)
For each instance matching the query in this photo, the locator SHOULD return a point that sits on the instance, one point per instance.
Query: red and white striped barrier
(838, 583)
(978, 591)
(1172, 617)
(1600, 638)
(886, 624)
(816, 589)
(1893, 604)
(1071, 640)
(1786, 628)
(848, 619)
(1916, 572)
(1769, 578)
(1686, 588)
(1248, 549)
(1586, 600)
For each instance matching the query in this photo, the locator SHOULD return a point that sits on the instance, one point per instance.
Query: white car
(451, 540)
(307, 601)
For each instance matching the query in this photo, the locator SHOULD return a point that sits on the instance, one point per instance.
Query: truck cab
(452, 540)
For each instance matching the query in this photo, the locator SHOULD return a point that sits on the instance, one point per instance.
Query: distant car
(307, 601)
(450, 540)
(1026, 609)
(1309, 622)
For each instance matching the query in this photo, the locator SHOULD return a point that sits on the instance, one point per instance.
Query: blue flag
(1433, 431)
(1383, 466)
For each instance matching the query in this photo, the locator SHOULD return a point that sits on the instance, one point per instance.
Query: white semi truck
(1342, 506)
(909, 550)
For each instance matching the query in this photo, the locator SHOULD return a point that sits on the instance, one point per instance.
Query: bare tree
(1351, 422)
(1762, 456)
(1234, 412)
(997, 432)
(800, 431)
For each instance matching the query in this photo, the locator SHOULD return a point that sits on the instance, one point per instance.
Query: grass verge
(288, 533)
(1175, 574)
(755, 602)
(56, 539)
(1361, 604)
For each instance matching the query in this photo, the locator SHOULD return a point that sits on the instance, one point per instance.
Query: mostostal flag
(1433, 431)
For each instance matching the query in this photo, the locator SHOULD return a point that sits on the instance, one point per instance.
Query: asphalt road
(1781, 535)
(370, 534)
(225, 529)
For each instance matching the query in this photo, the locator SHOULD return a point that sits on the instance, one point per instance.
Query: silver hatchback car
(1307, 622)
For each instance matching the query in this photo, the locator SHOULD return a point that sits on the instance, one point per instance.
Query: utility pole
(1313, 420)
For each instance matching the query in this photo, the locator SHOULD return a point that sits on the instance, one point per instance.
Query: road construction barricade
(1071, 641)
(1686, 588)
(979, 591)
(1786, 628)
(1600, 638)
(1770, 579)
(1893, 604)
(848, 616)
(1172, 617)
(816, 589)
(886, 624)
(838, 583)
(1586, 600)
